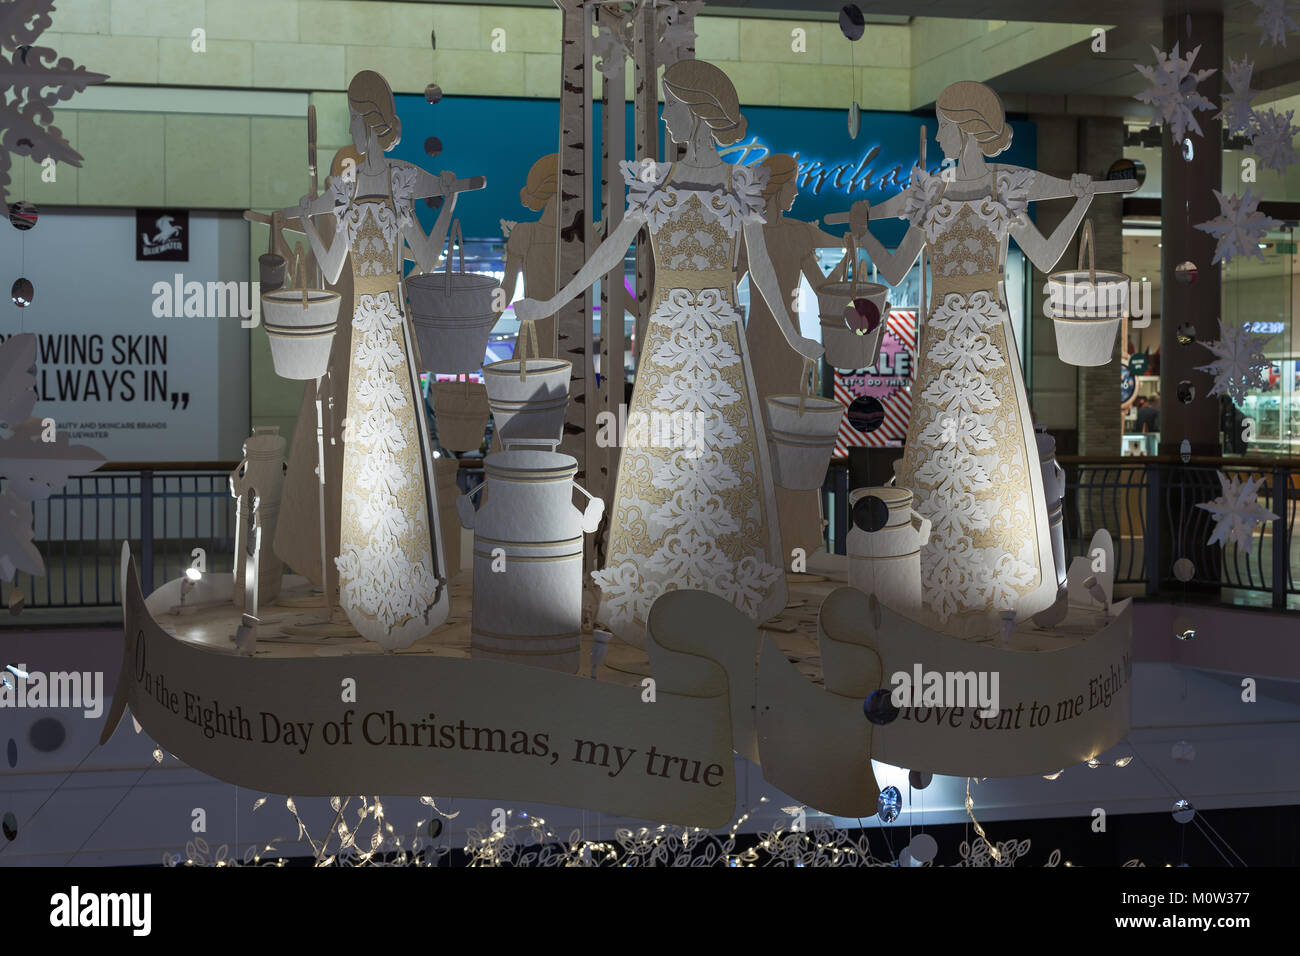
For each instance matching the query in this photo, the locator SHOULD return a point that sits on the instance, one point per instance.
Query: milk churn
(1054, 492)
(885, 546)
(528, 559)
(261, 473)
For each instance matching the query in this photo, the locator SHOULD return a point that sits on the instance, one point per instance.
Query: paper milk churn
(261, 473)
(885, 546)
(1054, 492)
(528, 559)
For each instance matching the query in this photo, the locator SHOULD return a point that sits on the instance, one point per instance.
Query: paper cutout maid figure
(698, 511)
(971, 457)
(392, 580)
(531, 247)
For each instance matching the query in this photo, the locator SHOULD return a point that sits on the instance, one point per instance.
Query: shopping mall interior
(174, 172)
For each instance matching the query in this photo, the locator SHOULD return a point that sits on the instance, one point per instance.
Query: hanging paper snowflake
(1272, 138)
(26, 115)
(1236, 512)
(1239, 361)
(1239, 227)
(1236, 111)
(1173, 91)
(1274, 20)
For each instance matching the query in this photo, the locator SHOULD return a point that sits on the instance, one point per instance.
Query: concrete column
(1053, 393)
(1187, 198)
(1101, 142)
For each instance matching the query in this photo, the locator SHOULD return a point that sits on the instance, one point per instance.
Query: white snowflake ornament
(1274, 20)
(1272, 138)
(1173, 91)
(1239, 361)
(1236, 111)
(1236, 512)
(32, 82)
(1239, 227)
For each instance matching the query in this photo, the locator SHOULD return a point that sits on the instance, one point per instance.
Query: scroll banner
(483, 729)
(1055, 707)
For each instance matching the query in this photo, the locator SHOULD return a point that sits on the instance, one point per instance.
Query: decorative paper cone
(528, 410)
(801, 445)
(461, 411)
(300, 338)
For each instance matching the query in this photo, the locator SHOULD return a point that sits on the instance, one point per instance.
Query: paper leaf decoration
(675, 29)
(1236, 512)
(1236, 111)
(17, 553)
(33, 80)
(1239, 361)
(1272, 138)
(1172, 91)
(1274, 20)
(1239, 227)
(17, 379)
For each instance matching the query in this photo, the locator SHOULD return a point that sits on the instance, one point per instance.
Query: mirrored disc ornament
(1185, 272)
(47, 734)
(852, 23)
(919, 780)
(865, 413)
(1184, 629)
(1183, 812)
(1185, 450)
(435, 828)
(1189, 151)
(923, 848)
(1186, 334)
(1184, 569)
(1183, 752)
(870, 513)
(1186, 392)
(433, 92)
(10, 826)
(22, 292)
(879, 707)
(1128, 169)
(888, 804)
(432, 146)
(22, 215)
(862, 316)
(11, 753)
(855, 120)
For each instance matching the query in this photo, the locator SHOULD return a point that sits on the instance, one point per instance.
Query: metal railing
(166, 511)
(163, 511)
(1171, 553)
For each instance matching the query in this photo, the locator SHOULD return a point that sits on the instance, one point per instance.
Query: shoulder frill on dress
(1013, 189)
(647, 198)
(652, 199)
(749, 182)
(923, 191)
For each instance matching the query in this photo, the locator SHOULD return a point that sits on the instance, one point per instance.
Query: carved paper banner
(1056, 707)
(451, 727)
(428, 725)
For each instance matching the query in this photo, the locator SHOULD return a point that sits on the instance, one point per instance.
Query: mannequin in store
(971, 458)
(792, 246)
(531, 246)
(699, 511)
(392, 582)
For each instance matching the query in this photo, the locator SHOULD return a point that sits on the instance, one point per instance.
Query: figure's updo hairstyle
(371, 97)
(711, 97)
(977, 112)
(781, 168)
(543, 181)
